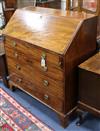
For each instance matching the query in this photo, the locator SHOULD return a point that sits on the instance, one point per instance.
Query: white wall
(23, 3)
(1, 16)
(63, 4)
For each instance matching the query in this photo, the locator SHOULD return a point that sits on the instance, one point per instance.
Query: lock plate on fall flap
(14, 44)
(43, 62)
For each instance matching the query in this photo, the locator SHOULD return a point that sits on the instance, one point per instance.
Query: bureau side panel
(83, 46)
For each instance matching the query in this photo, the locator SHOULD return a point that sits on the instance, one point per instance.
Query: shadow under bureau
(43, 48)
(3, 69)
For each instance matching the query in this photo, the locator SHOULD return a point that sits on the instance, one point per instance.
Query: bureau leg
(81, 117)
(64, 120)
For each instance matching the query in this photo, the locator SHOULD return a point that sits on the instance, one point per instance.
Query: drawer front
(41, 81)
(36, 53)
(52, 71)
(40, 94)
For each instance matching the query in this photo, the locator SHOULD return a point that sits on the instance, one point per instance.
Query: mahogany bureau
(43, 48)
(89, 85)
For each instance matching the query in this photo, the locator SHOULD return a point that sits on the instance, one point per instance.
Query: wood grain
(43, 96)
(41, 27)
(89, 85)
(92, 64)
(28, 56)
(66, 40)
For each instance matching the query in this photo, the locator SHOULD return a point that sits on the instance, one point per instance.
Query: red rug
(13, 117)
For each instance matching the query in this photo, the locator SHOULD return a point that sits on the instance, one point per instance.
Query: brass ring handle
(18, 67)
(19, 80)
(46, 97)
(46, 83)
(59, 64)
(16, 55)
(14, 44)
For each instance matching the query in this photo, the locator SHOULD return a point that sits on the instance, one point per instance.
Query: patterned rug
(13, 117)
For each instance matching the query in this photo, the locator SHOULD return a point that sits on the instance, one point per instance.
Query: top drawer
(36, 53)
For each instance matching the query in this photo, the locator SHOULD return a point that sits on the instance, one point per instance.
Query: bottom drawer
(43, 96)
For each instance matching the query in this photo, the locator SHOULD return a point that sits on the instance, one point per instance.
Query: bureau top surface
(92, 64)
(47, 28)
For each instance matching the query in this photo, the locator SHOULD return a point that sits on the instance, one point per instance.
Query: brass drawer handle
(14, 44)
(18, 67)
(16, 55)
(46, 97)
(59, 64)
(46, 83)
(19, 80)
